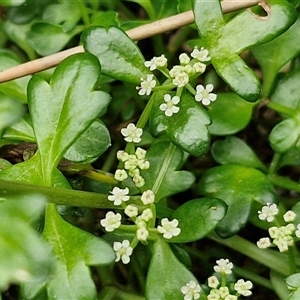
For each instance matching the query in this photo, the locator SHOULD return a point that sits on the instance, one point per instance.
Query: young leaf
(119, 56)
(229, 114)
(197, 218)
(226, 40)
(233, 150)
(75, 250)
(166, 275)
(23, 254)
(238, 187)
(162, 176)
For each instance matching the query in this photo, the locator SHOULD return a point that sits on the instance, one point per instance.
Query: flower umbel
(119, 195)
(169, 107)
(123, 251)
(204, 95)
(132, 133)
(169, 228)
(191, 290)
(146, 85)
(268, 212)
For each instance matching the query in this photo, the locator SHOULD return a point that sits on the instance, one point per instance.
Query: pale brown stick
(136, 34)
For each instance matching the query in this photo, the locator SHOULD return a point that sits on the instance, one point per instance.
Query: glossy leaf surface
(226, 40)
(23, 254)
(120, 58)
(166, 275)
(197, 218)
(238, 187)
(229, 114)
(162, 177)
(233, 150)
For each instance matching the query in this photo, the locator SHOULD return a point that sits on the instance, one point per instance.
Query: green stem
(271, 259)
(282, 109)
(284, 182)
(292, 262)
(84, 13)
(274, 165)
(146, 113)
(164, 168)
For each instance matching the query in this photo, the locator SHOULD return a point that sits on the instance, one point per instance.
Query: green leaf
(272, 56)
(23, 254)
(119, 56)
(284, 135)
(105, 19)
(229, 114)
(293, 283)
(90, 145)
(225, 41)
(197, 218)
(162, 177)
(74, 250)
(172, 274)
(233, 150)
(238, 187)
(11, 111)
(46, 38)
(187, 129)
(11, 2)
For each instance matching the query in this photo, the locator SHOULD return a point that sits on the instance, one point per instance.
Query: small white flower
(201, 55)
(138, 181)
(119, 195)
(263, 243)
(274, 232)
(156, 62)
(143, 164)
(231, 297)
(289, 216)
(147, 215)
(191, 290)
(184, 59)
(181, 79)
(140, 153)
(131, 211)
(142, 234)
(199, 67)
(122, 155)
(169, 228)
(268, 212)
(298, 231)
(213, 282)
(120, 174)
(170, 107)
(148, 197)
(223, 266)
(111, 222)
(243, 287)
(223, 292)
(123, 251)
(132, 133)
(147, 85)
(175, 70)
(204, 95)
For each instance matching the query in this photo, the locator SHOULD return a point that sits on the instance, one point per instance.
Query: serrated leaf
(238, 187)
(229, 114)
(119, 56)
(272, 56)
(90, 145)
(226, 40)
(172, 274)
(233, 150)
(162, 177)
(23, 254)
(74, 250)
(197, 218)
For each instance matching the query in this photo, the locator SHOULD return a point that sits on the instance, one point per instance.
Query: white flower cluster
(282, 236)
(217, 291)
(132, 163)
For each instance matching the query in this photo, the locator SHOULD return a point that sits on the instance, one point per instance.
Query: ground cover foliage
(165, 168)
